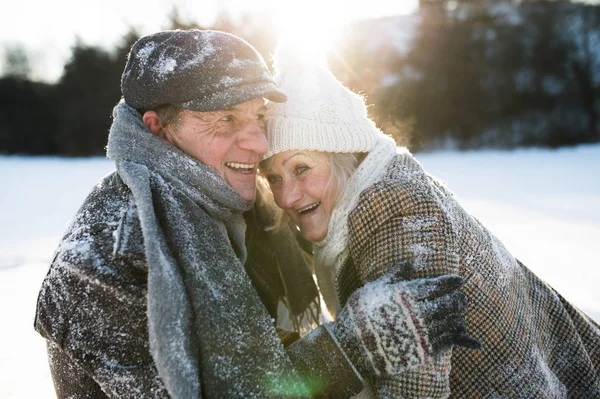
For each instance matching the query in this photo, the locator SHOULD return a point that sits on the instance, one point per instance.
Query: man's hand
(388, 326)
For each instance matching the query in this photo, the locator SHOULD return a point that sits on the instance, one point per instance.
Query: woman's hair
(342, 167)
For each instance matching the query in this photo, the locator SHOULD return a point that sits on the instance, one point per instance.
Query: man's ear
(152, 121)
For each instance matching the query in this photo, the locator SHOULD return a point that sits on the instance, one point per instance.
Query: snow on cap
(200, 70)
(320, 114)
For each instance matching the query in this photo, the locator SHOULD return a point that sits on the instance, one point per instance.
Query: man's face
(230, 141)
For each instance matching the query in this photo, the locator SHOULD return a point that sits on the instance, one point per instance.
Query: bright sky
(48, 29)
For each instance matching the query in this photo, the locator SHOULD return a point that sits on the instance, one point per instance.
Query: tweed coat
(92, 305)
(534, 343)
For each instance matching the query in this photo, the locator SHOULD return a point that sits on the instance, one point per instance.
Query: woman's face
(299, 181)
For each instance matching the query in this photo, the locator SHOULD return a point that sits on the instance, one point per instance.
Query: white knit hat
(320, 113)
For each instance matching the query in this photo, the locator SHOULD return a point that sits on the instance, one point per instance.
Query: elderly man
(147, 295)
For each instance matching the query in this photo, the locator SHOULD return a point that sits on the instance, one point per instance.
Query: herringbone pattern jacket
(535, 344)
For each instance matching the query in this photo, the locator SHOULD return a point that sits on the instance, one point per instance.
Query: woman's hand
(388, 325)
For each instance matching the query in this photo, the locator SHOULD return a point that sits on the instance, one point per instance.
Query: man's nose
(254, 138)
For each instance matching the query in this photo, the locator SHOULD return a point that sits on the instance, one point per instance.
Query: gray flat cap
(200, 70)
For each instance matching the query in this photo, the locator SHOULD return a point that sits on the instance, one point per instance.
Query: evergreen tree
(28, 117)
(88, 90)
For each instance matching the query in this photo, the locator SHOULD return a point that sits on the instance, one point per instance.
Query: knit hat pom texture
(320, 113)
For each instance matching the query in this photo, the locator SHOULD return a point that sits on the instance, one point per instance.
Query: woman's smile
(300, 182)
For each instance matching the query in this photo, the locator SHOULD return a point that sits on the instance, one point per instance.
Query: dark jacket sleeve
(95, 326)
(70, 379)
(91, 307)
(324, 366)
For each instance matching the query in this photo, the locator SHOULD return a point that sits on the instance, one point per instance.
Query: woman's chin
(313, 235)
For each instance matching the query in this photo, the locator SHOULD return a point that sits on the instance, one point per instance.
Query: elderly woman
(368, 206)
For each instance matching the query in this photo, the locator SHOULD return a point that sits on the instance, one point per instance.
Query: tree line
(472, 74)
(487, 74)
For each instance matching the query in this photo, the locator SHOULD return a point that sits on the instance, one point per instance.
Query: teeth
(309, 208)
(240, 165)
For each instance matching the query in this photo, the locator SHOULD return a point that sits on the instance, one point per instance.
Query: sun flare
(313, 27)
(310, 28)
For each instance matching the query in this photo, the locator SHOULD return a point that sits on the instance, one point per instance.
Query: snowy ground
(544, 205)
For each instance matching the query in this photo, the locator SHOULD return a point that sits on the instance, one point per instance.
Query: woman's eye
(227, 118)
(273, 179)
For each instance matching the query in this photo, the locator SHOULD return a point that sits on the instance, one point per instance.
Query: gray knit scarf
(210, 335)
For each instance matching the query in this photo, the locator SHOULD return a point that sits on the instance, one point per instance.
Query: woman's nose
(290, 194)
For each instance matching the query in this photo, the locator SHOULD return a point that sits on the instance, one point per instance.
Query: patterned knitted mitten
(388, 326)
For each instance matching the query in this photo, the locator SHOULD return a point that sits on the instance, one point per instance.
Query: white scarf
(331, 253)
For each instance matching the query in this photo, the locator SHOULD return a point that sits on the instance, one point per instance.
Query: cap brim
(235, 95)
(276, 96)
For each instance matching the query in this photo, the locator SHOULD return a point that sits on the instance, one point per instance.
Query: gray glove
(388, 326)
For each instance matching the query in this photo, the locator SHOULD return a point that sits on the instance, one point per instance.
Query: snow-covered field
(544, 205)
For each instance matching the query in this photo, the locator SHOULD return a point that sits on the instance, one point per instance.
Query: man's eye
(302, 169)
(227, 118)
